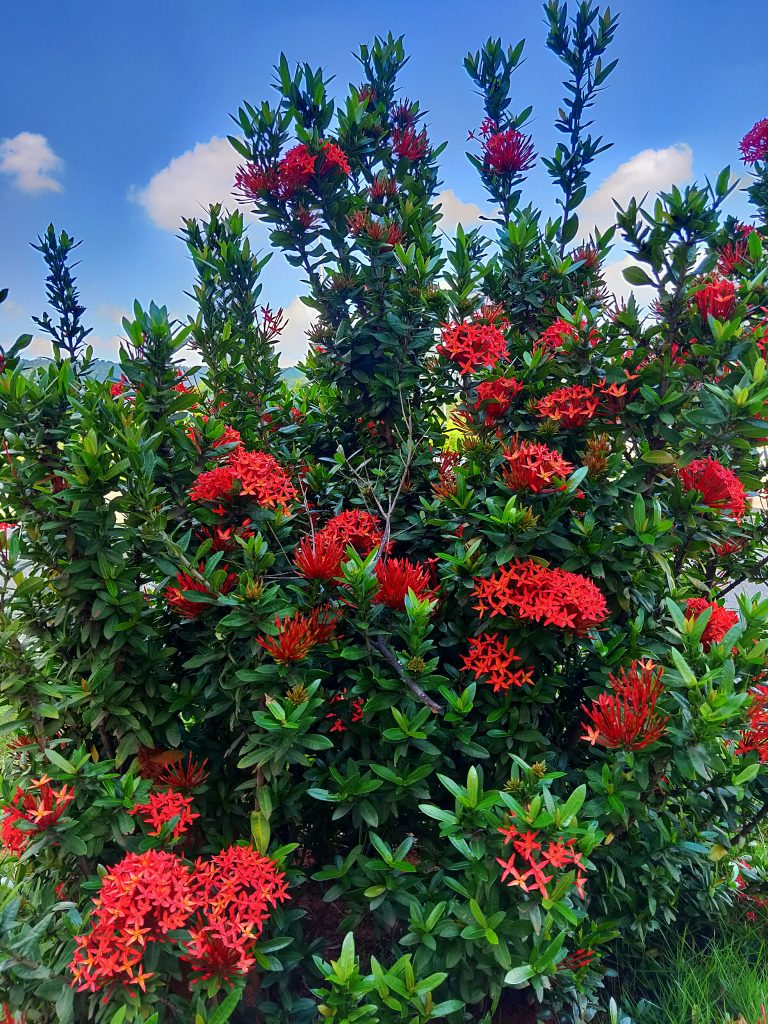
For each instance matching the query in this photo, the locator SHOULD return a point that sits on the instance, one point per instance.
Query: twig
(391, 658)
(750, 826)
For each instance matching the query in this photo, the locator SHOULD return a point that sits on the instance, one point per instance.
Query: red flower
(117, 389)
(215, 485)
(533, 467)
(295, 170)
(223, 538)
(233, 893)
(228, 436)
(720, 621)
(9, 1017)
(755, 737)
(40, 807)
(526, 867)
(297, 635)
(555, 336)
(408, 144)
(356, 528)
(490, 657)
(754, 145)
(383, 231)
(446, 486)
(351, 709)
(163, 808)
(627, 718)
(717, 298)
(383, 187)
(553, 597)
(732, 256)
(262, 477)
(183, 777)
(319, 557)
(252, 181)
(505, 152)
(577, 960)
(333, 159)
(396, 577)
(719, 487)
(494, 397)
(193, 609)
(569, 406)
(473, 345)
(143, 897)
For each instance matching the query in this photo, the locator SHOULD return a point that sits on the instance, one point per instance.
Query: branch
(750, 826)
(391, 658)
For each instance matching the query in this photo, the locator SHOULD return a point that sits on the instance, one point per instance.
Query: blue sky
(114, 115)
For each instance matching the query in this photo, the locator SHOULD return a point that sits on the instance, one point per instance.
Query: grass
(724, 981)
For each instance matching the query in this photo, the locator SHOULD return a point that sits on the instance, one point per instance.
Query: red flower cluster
(384, 231)
(719, 487)
(535, 592)
(505, 152)
(163, 808)
(249, 474)
(755, 737)
(356, 528)
(193, 609)
(555, 336)
(570, 406)
(262, 477)
(490, 657)
(9, 1017)
(446, 485)
(181, 776)
(532, 467)
(720, 621)
(526, 869)
(494, 397)
(717, 298)
(223, 902)
(333, 159)
(627, 718)
(298, 634)
(409, 144)
(228, 436)
(39, 808)
(577, 960)
(396, 577)
(383, 187)
(352, 710)
(223, 538)
(473, 345)
(319, 556)
(732, 256)
(754, 145)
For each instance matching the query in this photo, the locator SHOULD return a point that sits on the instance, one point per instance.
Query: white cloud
(456, 211)
(31, 163)
(112, 312)
(649, 171)
(294, 342)
(189, 184)
(11, 308)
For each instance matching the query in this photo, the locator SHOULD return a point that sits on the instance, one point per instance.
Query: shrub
(401, 695)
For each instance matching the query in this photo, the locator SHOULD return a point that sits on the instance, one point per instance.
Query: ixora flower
(37, 809)
(298, 634)
(333, 159)
(344, 709)
(473, 346)
(494, 397)
(533, 467)
(717, 298)
(223, 902)
(396, 576)
(553, 597)
(719, 486)
(164, 808)
(559, 333)
(720, 621)
(319, 556)
(193, 609)
(527, 866)
(506, 151)
(491, 658)
(409, 144)
(755, 736)
(570, 406)
(180, 775)
(627, 718)
(355, 528)
(246, 474)
(754, 145)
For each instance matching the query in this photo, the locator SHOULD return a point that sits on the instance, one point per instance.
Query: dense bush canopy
(401, 695)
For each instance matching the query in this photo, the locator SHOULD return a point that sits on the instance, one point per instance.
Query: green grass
(722, 982)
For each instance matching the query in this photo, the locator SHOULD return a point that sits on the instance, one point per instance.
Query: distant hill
(105, 369)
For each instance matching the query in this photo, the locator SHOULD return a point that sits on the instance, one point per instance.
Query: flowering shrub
(406, 694)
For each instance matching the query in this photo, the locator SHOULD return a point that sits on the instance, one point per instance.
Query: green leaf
(518, 975)
(659, 458)
(636, 276)
(224, 1010)
(260, 830)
